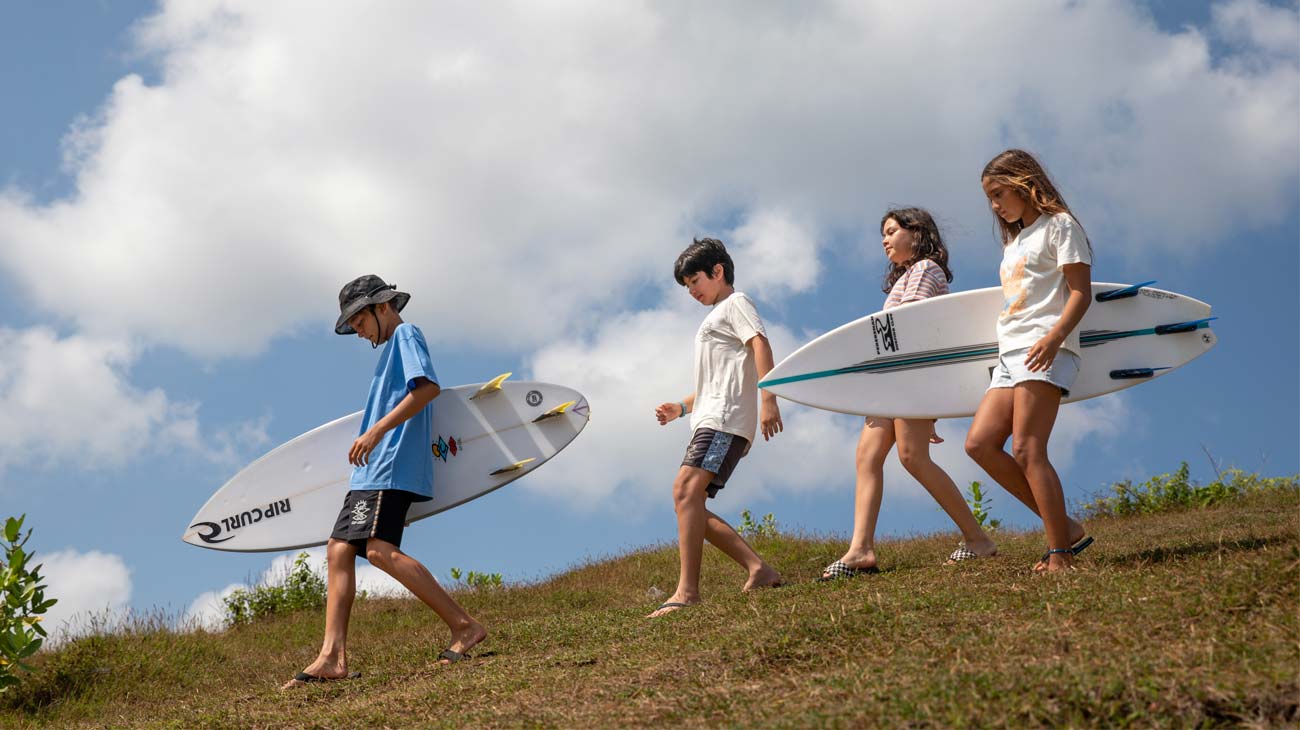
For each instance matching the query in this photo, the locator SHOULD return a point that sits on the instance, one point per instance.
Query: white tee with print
(726, 377)
(1034, 291)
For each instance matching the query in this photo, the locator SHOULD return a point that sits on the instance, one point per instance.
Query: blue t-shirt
(403, 459)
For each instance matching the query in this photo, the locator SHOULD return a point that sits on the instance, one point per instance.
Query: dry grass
(1179, 619)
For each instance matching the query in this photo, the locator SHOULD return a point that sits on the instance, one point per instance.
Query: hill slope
(1182, 618)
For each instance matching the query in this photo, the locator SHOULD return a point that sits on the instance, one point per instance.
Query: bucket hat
(362, 292)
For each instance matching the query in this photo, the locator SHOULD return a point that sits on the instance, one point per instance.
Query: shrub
(979, 503)
(749, 528)
(477, 580)
(298, 588)
(1166, 492)
(22, 601)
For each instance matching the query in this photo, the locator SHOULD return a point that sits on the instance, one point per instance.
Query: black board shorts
(379, 513)
(717, 452)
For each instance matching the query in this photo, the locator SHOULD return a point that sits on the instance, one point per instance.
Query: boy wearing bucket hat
(393, 469)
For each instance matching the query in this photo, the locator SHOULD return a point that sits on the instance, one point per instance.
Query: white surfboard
(934, 358)
(485, 436)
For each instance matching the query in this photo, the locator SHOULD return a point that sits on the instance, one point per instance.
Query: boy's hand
(668, 412)
(359, 454)
(935, 438)
(769, 417)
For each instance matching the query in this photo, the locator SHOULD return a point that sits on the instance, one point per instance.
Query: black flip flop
(306, 678)
(1075, 549)
(453, 656)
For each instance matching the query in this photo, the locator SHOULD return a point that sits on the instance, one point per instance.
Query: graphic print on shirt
(1014, 288)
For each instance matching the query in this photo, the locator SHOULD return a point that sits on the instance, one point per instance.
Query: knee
(1029, 453)
(685, 491)
(913, 460)
(380, 556)
(978, 448)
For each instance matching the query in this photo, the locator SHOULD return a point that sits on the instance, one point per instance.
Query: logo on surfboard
(884, 334)
(445, 448)
(210, 532)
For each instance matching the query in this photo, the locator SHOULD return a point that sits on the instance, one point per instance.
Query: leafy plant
(477, 580)
(23, 594)
(298, 588)
(979, 503)
(748, 528)
(1166, 492)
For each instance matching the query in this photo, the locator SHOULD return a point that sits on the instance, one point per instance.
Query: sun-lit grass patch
(1182, 617)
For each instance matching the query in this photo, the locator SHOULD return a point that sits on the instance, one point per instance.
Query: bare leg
(873, 446)
(465, 631)
(341, 582)
(914, 453)
(690, 489)
(726, 539)
(1036, 405)
(985, 444)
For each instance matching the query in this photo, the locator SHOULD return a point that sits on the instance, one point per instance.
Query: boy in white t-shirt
(731, 355)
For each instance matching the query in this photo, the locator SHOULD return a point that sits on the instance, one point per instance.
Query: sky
(184, 186)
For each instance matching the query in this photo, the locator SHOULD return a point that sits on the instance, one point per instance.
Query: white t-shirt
(726, 378)
(1034, 291)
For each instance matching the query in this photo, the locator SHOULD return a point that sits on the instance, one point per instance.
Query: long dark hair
(927, 243)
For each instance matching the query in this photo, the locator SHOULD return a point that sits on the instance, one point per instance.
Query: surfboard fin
(513, 467)
(1124, 293)
(556, 411)
(1134, 373)
(492, 386)
(1170, 329)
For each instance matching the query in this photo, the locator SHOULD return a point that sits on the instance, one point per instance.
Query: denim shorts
(1011, 370)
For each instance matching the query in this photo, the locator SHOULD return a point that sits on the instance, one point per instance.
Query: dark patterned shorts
(717, 452)
(371, 513)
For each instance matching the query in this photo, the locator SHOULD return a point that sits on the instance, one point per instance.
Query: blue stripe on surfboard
(938, 359)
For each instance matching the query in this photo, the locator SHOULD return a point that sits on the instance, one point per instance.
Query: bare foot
(856, 560)
(321, 670)
(1059, 563)
(764, 577)
(465, 638)
(1077, 533)
(676, 603)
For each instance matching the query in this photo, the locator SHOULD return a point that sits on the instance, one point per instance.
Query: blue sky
(186, 186)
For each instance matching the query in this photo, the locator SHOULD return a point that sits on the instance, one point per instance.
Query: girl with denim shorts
(1046, 288)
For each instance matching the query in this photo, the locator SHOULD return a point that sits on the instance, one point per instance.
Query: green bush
(1176, 491)
(298, 588)
(749, 528)
(477, 580)
(979, 503)
(21, 633)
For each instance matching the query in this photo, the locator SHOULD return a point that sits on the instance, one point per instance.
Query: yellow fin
(513, 467)
(556, 411)
(492, 386)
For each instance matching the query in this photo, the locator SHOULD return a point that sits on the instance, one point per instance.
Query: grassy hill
(1183, 618)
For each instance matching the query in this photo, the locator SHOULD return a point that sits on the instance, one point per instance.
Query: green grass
(1178, 618)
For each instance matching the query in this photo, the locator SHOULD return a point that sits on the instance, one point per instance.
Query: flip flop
(1075, 549)
(963, 553)
(306, 678)
(839, 569)
(453, 656)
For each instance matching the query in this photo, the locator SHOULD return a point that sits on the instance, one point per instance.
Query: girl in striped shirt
(918, 269)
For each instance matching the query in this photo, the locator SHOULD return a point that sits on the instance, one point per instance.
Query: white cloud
(536, 150)
(69, 400)
(53, 389)
(93, 590)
